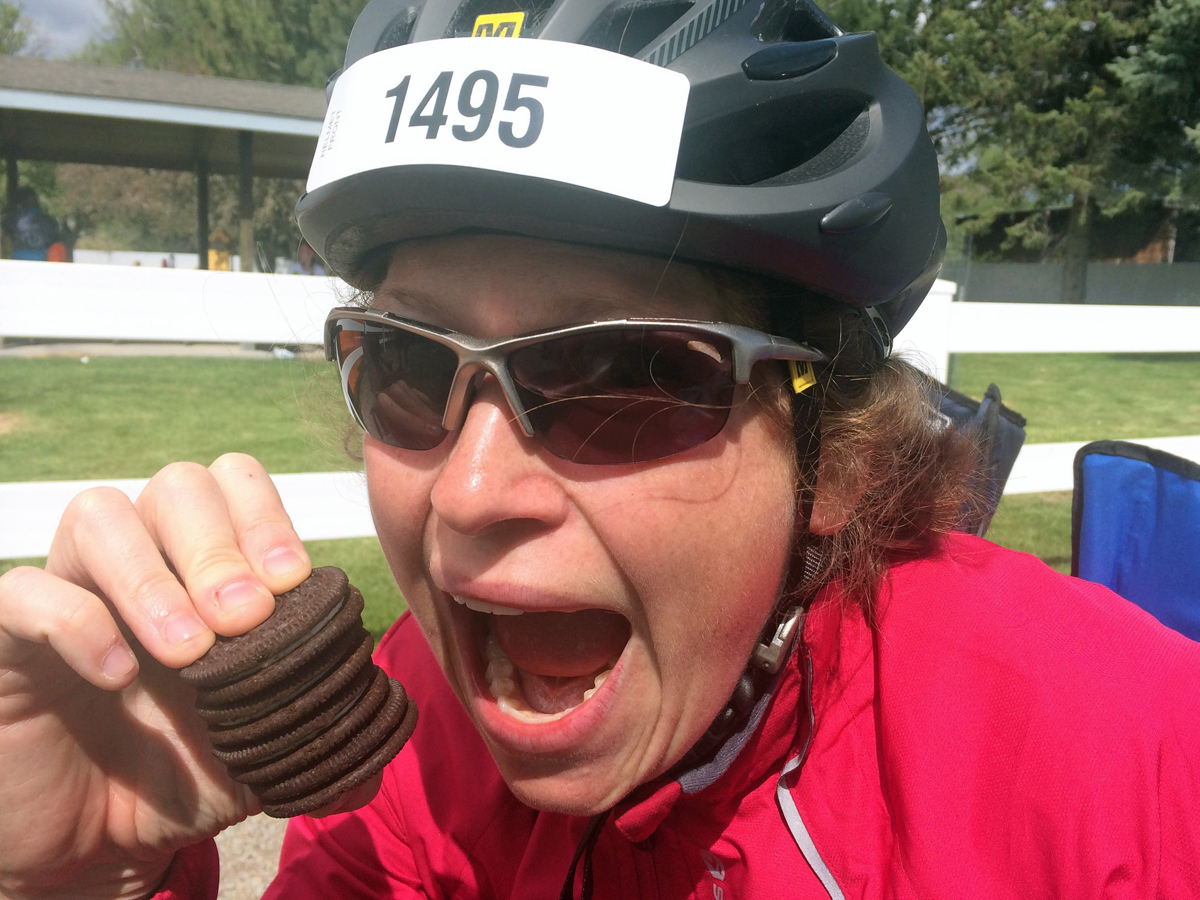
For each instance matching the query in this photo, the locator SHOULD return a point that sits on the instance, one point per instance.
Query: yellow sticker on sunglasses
(499, 25)
(802, 379)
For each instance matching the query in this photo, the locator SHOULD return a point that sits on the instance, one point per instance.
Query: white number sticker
(541, 108)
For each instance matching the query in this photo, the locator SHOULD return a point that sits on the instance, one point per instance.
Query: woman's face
(614, 606)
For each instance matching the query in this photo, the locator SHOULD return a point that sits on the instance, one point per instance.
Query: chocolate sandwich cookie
(357, 762)
(298, 614)
(344, 627)
(250, 752)
(314, 687)
(296, 708)
(346, 726)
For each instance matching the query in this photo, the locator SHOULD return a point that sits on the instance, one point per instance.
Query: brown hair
(905, 477)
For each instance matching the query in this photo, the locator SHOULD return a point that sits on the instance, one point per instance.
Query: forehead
(499, 284)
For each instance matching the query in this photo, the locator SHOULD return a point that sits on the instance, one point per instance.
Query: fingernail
(282, 561)
(238, 593)
(117, 663)
(181, 628)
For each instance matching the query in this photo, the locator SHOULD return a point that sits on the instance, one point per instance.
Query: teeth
(491, 608)
(502, 687)
(500, 667)
(492, 649)
(502, 683)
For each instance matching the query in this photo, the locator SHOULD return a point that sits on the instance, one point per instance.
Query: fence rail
(109, 303)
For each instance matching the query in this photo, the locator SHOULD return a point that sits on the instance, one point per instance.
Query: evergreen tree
(1027, 106)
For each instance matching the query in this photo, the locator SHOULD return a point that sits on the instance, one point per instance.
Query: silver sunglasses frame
(478, 357)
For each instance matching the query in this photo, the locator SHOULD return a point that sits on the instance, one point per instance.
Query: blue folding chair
(1135, 527)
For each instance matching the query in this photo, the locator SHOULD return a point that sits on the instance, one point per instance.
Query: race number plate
(552, 110)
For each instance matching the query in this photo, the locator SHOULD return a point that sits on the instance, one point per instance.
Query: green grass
(362, 560)
(1036, 523)
(1079, 397)
(1090, 396)
(126, 417)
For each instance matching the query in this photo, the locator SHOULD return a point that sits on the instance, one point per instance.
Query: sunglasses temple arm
(779, 348)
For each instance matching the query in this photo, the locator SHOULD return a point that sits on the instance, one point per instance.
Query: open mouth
(540, 666)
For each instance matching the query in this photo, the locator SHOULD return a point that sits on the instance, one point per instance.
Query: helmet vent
(398, 30)
(844, 147)
(793, 20)
(699, 24)
(628, 29)
(791, 140)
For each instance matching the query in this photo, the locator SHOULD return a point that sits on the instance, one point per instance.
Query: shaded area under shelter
(82, 113)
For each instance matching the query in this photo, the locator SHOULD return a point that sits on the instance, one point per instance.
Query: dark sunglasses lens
(397, 382)
(626, 395)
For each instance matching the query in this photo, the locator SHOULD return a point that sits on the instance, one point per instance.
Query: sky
(61, 27)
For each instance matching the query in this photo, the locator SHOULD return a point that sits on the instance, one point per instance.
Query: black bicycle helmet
(803, 157)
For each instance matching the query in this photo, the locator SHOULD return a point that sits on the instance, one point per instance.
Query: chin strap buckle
(770, 657)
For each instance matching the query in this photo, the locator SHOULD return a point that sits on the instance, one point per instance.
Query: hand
(105, 768)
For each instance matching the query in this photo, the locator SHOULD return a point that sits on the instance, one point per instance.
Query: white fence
(126, 303)
(91, 302)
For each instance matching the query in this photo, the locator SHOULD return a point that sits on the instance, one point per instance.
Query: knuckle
(73, 618)
(214, 562)
(264, 527)
(178, 477)
(153, 593)
(20, 580)
(240, 464)
(96, 503)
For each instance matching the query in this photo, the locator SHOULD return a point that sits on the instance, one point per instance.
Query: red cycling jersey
(1005, 731)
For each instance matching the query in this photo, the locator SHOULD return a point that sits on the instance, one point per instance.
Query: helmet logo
(499, 25)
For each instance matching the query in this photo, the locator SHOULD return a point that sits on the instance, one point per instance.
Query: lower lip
(558, 736)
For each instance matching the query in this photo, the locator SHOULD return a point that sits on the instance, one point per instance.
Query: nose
(495, 476)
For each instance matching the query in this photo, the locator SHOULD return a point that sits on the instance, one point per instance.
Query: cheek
(704, 546)
(399, 490)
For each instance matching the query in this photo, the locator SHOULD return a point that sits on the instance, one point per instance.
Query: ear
(838, 491)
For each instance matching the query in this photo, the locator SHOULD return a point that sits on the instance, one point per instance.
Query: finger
(261, 526)
(102, 543)
(185, 513)
(39, 608)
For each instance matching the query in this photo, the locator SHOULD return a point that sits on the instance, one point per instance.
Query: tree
(15, 33)
(1029, 105)
(1026, 107)
(286, 41)
(1163, 81)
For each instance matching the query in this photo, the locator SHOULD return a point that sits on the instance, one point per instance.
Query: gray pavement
(92, 349)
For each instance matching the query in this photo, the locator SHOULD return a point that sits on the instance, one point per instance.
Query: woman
(681, 624)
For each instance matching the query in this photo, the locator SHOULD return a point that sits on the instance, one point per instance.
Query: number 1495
(478, 111)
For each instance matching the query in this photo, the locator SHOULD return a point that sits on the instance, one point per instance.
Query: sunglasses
(604, 393)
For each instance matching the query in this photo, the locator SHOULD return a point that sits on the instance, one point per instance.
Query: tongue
(558, 655)
(562, 645)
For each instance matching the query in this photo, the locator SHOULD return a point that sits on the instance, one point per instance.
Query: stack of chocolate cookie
(295, 708)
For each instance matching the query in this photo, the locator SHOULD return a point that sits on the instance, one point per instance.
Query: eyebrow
(429, 308)
(424, 305)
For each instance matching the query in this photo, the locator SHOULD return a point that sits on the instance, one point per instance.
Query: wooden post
(11, 183)
(11, 179)
(202, 211)
(246, 199)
